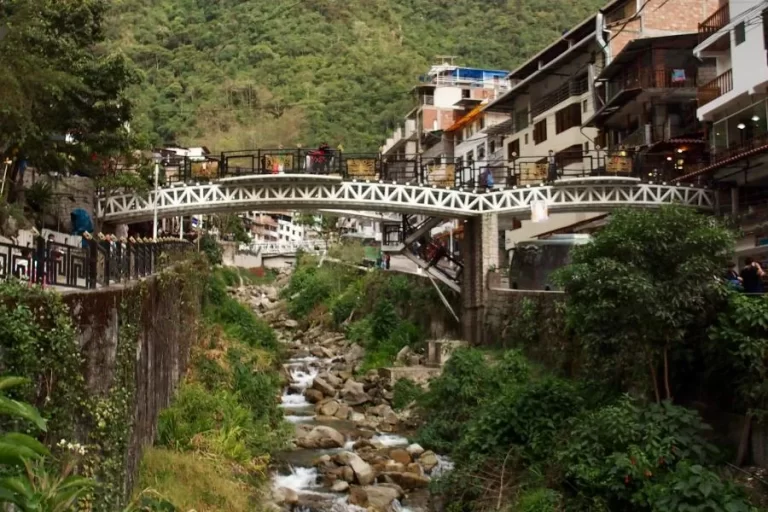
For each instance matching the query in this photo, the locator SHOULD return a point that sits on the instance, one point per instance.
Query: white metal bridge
(313, 192)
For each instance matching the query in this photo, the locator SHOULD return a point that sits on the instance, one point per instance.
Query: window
(481, 152)
(586, 147)
(465, 93)
(469, 158)
(513, 150)
(584, 105)
(482, 123)
(540, 132)
(492, 147)
(526, 139)
(740, 33)
(566, 118)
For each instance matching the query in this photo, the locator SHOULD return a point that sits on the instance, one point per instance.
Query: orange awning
(461, 123)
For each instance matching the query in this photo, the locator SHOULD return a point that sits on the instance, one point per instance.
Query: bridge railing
(441, 171)
(97, 262)
(273, 248)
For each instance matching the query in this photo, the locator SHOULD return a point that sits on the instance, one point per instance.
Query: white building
(734, 105)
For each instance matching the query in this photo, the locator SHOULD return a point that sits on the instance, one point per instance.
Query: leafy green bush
(617, 451)
(237, 319)
(406, 391)
(539, 500)
(212, 250)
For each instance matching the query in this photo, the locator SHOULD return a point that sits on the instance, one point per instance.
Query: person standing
(551, 167)
(752, 276)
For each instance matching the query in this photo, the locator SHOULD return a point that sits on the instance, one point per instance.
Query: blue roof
(479, 73)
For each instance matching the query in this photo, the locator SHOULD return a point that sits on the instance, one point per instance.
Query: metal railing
(97, 263)
(644, 78)
(559, 95)
(443, 172)
(712, 90)
(715, 22)
(272, 248)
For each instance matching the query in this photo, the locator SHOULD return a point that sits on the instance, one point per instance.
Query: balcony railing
(662, 78)
(715, 22)
(562, 93)
(716, 88)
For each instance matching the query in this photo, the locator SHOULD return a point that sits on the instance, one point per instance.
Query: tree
(641, 287)
(55, 80)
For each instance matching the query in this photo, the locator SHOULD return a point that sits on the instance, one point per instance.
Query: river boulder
(321, 437)
(322, 386)
(379, 498)
(313, 396)
(415, 450)
(363, 471)
(286, 496)
(407, 481)
(428, 460)
(400, 455)
(328, 408)
(354, 394)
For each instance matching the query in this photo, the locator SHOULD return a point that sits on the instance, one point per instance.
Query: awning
(502, 128)
(461, 123)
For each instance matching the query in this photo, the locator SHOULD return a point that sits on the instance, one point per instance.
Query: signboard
(539, 211)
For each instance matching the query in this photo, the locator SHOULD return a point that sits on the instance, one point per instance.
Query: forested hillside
(247, 73)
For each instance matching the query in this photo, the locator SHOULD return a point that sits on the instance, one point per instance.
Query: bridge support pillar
(480, 251)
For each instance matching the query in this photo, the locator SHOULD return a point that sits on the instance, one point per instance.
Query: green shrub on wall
(39, 342)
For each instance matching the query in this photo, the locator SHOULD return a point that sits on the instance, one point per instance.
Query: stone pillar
(480, 251)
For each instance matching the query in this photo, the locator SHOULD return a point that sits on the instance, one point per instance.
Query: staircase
(412, 238)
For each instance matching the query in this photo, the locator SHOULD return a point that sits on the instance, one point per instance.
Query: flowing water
(296, 471)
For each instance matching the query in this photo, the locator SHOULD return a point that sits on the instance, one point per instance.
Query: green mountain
(258, 73)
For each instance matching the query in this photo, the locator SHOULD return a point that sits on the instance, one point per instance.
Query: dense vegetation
(213, 443)
(383, 312)
(258, 73)
(651, 331)
(86, 434)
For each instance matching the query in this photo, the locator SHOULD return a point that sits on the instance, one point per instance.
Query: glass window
(540, 132)
(740, 33)
(481, 152)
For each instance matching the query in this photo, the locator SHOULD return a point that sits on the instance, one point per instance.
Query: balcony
(715, 22)
(567, 90)
(716, 88)
(643, 78)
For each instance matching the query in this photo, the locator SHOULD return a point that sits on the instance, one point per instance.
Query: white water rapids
(304, 480)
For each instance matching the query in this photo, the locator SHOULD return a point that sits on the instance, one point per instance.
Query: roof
(554, 50)
(630, 51)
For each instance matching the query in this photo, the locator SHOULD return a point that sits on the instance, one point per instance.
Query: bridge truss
(328, 193)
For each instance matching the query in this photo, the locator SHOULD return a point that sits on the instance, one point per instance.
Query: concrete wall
(160, 311)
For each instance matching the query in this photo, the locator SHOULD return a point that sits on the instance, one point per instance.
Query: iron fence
(98, 262)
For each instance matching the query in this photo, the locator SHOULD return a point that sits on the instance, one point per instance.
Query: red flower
(627, 480)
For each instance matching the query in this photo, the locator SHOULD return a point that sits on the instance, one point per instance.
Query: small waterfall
(302, 372)
(299, 479)
(390, 440)
(444, 465)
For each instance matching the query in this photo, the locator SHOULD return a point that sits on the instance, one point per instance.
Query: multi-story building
(734, 107)
(436, 109)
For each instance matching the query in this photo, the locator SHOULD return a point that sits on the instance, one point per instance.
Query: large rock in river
(407, 480)
(353, 393)
(363, 471)
(322, 386)
(321, 437)
(377, 497)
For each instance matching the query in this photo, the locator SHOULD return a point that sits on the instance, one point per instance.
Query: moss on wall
(103, 363)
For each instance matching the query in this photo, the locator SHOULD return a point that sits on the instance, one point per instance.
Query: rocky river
(350, 450)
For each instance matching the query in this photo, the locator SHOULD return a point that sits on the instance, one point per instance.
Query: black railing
(97, 263)
(442, 172)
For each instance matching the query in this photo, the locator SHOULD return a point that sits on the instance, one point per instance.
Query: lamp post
(154, 213)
